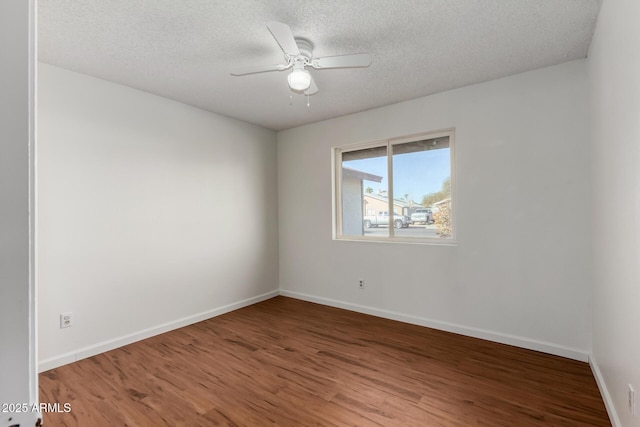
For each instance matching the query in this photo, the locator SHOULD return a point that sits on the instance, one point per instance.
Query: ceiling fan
(298, 54)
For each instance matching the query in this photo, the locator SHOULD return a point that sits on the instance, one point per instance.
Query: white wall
(152, 214)
(520, 272)
(614, 73)
(18, 379)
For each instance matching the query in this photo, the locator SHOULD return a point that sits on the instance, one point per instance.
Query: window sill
(411, 241)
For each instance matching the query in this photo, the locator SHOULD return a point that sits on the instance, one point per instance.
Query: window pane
(364, 190)
(422, 188)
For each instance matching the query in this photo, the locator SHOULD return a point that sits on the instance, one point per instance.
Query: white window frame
(336, 158)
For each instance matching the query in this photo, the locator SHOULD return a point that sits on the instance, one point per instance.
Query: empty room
(367, 213)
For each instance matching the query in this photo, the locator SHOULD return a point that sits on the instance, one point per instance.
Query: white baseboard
(530, 344)
(54, 362)
(604, 391)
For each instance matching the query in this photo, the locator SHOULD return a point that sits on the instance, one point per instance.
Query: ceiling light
(299, 79)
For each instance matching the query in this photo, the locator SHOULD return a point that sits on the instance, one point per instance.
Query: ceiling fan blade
(283, 35)
(313, 89)
(342, 61)
(260, 69)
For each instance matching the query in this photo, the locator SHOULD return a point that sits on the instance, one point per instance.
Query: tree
(368, 190)
(432, 198)
(446, 186)
(438, 196)
(442, 219)
(442, 216)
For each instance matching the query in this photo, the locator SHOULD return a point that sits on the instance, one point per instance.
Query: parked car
(382, 218)
(422, 216)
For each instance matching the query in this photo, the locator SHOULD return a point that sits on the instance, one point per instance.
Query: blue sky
(416, 174)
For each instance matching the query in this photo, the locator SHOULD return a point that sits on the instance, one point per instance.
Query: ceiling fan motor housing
(305, 47)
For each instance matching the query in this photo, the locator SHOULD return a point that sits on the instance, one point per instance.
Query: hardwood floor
(292, 363)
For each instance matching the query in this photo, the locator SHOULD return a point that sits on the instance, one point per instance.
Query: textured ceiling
(184, 49)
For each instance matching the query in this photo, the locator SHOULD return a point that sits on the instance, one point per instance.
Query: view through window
(396, 189)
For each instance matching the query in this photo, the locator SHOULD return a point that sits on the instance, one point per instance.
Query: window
(398, 190)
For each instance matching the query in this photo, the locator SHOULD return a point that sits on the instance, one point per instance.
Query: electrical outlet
(66, 320)
(632, 400)
(361, 283)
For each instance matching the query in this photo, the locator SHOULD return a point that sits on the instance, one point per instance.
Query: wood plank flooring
(291, 363)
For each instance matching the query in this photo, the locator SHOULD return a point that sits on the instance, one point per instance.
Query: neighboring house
(356, 203)
(375, 203)
(438, 205)
(352, 200)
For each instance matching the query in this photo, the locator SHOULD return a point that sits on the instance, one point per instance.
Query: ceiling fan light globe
(299, 80)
